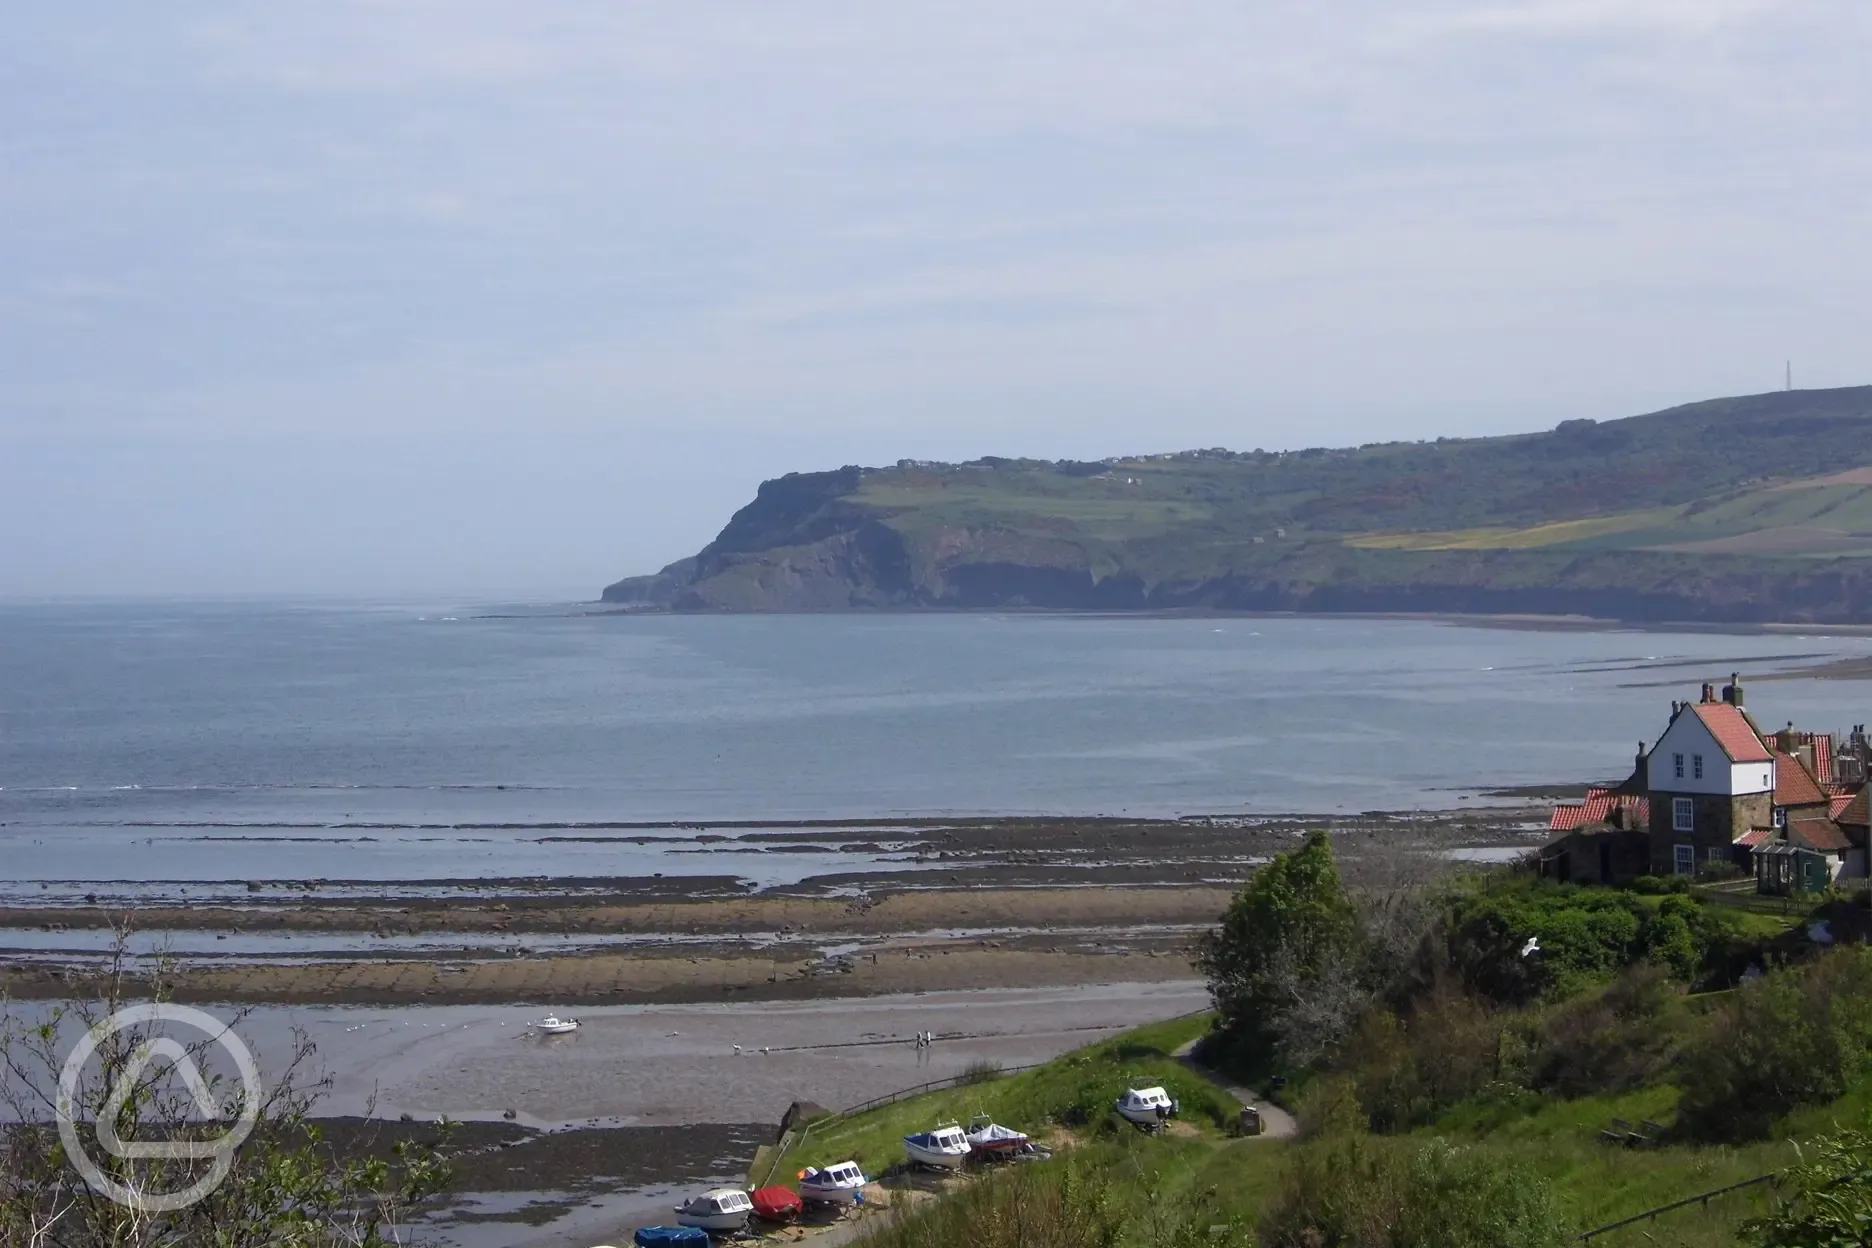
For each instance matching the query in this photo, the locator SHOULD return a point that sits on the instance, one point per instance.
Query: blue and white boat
(945, 1148)
(834, 1185)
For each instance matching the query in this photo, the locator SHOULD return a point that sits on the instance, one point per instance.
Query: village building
(1714, 793)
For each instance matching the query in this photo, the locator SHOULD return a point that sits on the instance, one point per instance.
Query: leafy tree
(1287, 952)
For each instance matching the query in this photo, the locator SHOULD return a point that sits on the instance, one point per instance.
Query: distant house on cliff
(1788, 806)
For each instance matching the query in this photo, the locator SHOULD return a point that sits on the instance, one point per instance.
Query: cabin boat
(553, 1025)
(992, 1140)
(834, 1185)
(671, 1237)
(945, 1148)
(724, 1209)
(776, 1204)
(1146, 1107)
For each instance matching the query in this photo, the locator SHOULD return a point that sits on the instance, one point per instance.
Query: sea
(447, 741)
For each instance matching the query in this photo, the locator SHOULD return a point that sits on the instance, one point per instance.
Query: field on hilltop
(1744, 509)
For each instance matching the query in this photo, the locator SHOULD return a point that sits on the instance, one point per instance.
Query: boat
(671, 1237)
(834, 1185)
(946, 1147)
(1146, 1107)
(776, 1204)
(724, 1209)
(553, 1025)
(990, 1139)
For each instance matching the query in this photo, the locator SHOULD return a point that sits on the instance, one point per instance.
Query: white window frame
(1696, 761)
(1678, 760)
(1683, 814)
(1780, 817)
(1683, 859)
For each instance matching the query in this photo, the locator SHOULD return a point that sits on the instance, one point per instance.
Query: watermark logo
(218, 1151)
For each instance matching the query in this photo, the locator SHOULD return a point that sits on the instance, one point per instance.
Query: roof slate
(1818, 832)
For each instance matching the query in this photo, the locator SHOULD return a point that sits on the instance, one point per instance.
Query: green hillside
(1755, 508)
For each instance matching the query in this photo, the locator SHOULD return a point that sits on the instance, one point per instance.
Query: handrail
(1703, 1198)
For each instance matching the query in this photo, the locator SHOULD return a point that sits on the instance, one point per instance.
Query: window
(1683, 815)
(1678, 758)
(1684, 860)
(1697, 761)
(1780, 817)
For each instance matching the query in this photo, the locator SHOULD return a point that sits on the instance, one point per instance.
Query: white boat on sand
(1146, 1107)
(946, 1147)
(834, 1185)
(553, 1025)
(724, 1209)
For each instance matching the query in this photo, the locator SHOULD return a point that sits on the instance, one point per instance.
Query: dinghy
(776, 1204)
(553, 1025)
(1146, 1107)
(834, 1185)
(992, 1140)
(724, 1209)
(945, 1148)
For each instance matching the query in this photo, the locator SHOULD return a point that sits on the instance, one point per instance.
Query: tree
(1283, 967)
(282, 1188)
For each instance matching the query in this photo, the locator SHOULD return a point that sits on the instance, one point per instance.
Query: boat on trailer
(724, 1209)
(776, 1204)
(945, 1147)
(990, 1139)
(834, 1185)
(1146, 1107)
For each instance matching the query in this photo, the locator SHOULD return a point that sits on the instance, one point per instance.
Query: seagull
(765, 1049)
(1532, 946)
(737, 1048)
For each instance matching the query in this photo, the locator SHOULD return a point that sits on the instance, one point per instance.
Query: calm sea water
(354, 741)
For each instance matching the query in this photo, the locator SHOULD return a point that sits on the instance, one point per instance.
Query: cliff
(1751, 509)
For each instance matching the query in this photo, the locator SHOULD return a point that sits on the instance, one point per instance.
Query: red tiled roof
(1793, 786)
(1755, 836)
(1732, 731)
(1823, 757)
(1818, 832)
(1837, 806)
(1598, 808)
(1858, 812)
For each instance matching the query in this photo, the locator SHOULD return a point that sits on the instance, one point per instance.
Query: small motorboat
(990, 1139)
(1146, 1107)
(671, 1237)
(776, 1204)
(553, 1025)
(834, 1185)
(724, 1209)
(945, 1148)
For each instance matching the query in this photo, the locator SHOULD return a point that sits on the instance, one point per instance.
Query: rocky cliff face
(1734, 511)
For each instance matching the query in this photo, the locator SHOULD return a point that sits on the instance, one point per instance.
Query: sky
(347, 297)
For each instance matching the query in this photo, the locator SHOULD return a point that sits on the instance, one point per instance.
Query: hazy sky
(386, 297)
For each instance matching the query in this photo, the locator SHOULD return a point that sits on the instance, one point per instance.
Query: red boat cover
(776, 1204)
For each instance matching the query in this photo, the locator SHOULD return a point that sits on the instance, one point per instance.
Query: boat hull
(942, 1159)
(827, 1195)
(713, 1221)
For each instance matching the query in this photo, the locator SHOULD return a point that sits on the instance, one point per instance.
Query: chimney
(1709, 693)
(1806, 755)
(1732, 692)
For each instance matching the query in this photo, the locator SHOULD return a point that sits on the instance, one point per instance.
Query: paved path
(1276, 1123)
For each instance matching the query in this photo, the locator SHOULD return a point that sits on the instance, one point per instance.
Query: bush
(1066, 1206)
(1408, 1070)
(1610, 1041)
(1789, 1039)
(1355, 1192)
(1658, 885)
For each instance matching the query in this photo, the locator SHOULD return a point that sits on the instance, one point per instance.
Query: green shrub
(1063, 1206)
(1789, 1039)
(1609, 1041)
(1407, 1070)
(1357, 1192)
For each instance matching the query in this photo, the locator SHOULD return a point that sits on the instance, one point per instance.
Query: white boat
(990, 1138)
(553, 1025)
(945, 1148)
(1146, 1107)
(834, 1185)
(724, 1209)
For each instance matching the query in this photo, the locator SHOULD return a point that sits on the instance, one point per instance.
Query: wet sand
(1017, 902)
